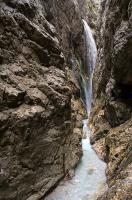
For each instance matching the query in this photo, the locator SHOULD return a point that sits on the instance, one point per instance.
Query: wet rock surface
(40, 109)
(112, 108)
(89, 179)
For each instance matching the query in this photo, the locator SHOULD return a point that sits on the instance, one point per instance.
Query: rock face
(39, 99)
(111, 119)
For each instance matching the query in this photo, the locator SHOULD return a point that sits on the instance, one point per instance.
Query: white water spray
(89, 176)
(91, 54)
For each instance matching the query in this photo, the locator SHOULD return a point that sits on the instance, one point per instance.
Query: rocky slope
(40, 109)
(111, 119)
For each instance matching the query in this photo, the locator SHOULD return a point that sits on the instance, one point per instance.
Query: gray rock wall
(40, 109)
(112, 107)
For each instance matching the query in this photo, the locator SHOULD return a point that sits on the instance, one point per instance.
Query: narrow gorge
(65, 99)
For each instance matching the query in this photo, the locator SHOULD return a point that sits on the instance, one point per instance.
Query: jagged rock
(13, 97)
(117, 113)
(40, 111)
(113, 96)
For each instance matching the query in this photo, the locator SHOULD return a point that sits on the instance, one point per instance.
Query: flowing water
(91, 54)
(89, 177)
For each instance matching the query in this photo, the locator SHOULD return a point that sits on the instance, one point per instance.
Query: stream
(89, 179)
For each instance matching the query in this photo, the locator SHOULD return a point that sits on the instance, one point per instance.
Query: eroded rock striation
(40, 109)
(111, 119)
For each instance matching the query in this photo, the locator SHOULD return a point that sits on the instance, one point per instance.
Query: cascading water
(89, 179)
(91, 54)
(89, 176)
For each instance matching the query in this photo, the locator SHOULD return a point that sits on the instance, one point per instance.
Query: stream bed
(89, 179)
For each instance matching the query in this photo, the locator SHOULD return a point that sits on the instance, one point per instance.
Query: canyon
(111, 118)
(43, 68)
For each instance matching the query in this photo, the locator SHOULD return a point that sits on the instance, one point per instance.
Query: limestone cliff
(111, 119)
(39, 100)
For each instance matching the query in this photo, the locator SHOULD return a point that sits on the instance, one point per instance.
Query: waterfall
(91, 54)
